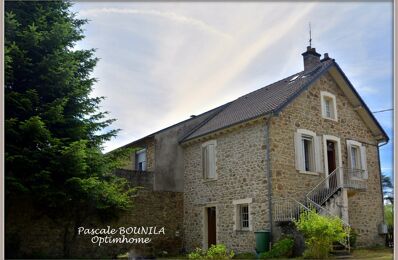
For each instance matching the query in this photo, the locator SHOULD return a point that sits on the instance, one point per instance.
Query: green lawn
(379, 253)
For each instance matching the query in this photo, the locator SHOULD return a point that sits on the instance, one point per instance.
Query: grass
(373, 253)
(380, 253)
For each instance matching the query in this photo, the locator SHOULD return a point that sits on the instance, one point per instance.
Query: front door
(331, 153)
(211, 226)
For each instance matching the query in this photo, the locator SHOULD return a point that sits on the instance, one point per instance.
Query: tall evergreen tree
(54, 130)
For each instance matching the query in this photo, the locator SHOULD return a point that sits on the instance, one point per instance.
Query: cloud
(160, 62)
(95, 12)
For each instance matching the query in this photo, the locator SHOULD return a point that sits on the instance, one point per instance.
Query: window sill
(330, 119)
(209, 180)
(309, 173)
(242, 230)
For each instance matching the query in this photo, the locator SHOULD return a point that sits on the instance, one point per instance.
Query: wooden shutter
(363, 161)
(298, 143)
(318, 154)
(212, 161)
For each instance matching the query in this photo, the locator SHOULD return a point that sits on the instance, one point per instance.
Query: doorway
(211, 226)
(331, 160)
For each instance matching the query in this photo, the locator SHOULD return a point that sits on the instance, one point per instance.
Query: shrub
(282, 248)
(353, 238)
(214, 252)
(320, 232)
(197, 254)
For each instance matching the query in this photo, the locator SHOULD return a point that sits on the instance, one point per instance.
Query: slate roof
(263, 101)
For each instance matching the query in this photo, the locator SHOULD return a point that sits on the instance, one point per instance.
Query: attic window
(294, 78)
(328, 103)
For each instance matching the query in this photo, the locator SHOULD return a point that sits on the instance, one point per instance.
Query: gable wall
(305, 112)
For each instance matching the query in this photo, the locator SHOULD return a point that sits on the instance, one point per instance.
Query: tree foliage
(388, 188)
(54, 129)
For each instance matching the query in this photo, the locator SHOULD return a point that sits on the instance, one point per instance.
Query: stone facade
(241, 170)
(241, 165)
(305, 113)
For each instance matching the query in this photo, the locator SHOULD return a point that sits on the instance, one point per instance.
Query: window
(140, 160)
(328, 112)
(209, 160)
(328, 102)
(242, 214)
(356, 152)
(308, 151)
(355, 157)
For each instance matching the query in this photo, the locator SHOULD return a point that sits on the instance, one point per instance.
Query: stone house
(248, 165)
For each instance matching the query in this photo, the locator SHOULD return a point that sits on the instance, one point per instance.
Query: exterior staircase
(326, 198)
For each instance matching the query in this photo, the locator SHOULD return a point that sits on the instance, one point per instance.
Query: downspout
(380, 178)
(268, 173)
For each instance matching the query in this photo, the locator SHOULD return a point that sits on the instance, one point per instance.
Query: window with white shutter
(308, 151)
(356, 152)
(209, 160)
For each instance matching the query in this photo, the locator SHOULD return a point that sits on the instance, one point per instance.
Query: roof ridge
(222, 107)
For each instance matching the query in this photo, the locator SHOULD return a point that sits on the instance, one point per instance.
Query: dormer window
(328, 102)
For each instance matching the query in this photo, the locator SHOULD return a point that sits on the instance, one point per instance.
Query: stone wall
(141, 179)
(305, 112)
(32, 235)
(241, 165)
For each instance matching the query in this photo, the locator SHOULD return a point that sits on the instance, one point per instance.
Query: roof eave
(385, 137)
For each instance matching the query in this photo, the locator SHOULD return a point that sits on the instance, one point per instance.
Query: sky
(161, 62)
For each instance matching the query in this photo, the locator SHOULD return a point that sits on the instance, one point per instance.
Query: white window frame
(327, 95)
(361, 154)
(237, 214)
(317, 161)
(136, 160)
(211, 161)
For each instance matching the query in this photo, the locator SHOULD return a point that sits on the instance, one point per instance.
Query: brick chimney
(311, 58)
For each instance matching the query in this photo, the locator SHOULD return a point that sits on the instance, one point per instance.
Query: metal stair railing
(287, 209)
(326, 188)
